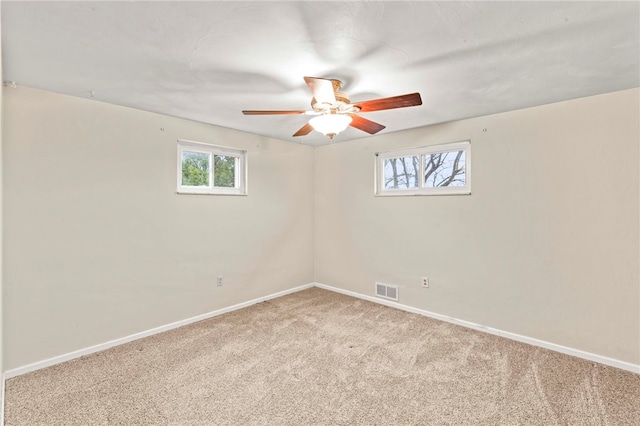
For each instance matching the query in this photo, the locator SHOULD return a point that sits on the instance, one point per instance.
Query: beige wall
(1, 243)
(546, 246)
(99, 246)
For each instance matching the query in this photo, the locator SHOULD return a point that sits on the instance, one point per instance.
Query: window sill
(211, 193)
(402, 193)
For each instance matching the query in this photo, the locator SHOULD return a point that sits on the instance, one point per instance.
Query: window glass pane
(224, 171)
(195, 168)
(444, 169)
(401, 172)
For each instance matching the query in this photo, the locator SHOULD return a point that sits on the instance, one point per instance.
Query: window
(430, 170)
(210, 169)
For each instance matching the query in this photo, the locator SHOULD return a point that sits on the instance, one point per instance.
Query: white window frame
(240, 186)
(422, 190)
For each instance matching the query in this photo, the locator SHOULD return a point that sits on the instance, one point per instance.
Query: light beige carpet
(322, 358)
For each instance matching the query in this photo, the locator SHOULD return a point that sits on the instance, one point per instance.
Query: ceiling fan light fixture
(330, 124)
(335, 111)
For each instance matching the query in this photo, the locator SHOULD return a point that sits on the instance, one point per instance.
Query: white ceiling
(207, 61)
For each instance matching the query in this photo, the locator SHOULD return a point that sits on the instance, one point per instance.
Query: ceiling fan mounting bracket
(337, 84)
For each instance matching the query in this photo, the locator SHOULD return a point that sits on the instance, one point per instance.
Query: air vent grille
(387, 291)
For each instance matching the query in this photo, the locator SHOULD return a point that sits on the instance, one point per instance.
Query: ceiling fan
(334, 111)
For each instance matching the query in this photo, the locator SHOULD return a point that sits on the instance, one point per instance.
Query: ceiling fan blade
(365, 125)
(321, 89)
(305, 130)
(401, 101)
(251, 112)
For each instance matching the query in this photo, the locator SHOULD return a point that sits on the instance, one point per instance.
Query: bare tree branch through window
(424, 168)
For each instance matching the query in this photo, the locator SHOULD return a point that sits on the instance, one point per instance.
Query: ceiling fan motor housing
(341, 105)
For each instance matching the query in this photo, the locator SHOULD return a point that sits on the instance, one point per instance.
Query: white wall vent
(387, 291)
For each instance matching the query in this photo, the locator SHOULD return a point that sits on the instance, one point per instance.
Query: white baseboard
(623, 365)
(102, 346)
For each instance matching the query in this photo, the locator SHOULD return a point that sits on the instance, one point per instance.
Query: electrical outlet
(219, 281)
(425, 282)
